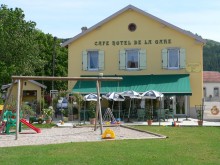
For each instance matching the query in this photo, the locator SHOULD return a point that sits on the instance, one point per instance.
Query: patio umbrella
(132, 95)
(89, 97)
(114, 96)
(152, 94)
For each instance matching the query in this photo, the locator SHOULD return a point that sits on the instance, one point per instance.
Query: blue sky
(64, 18)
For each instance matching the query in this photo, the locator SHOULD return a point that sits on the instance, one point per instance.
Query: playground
(9, 121)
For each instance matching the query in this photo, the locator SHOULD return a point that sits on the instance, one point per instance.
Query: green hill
(211, 56)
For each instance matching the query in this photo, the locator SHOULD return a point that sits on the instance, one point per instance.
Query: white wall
(210, 90)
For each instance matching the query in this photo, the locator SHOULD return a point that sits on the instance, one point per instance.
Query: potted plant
(64, 113)
(75, 112)
(78, 98)
(48, 113)
(27, 111)
(149, 115)
(199, 116)
(92, 111)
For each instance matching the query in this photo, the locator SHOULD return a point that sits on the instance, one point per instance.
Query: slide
(2, 126)
(30, 126)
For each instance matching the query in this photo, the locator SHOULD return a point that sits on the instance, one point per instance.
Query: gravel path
(63, 135)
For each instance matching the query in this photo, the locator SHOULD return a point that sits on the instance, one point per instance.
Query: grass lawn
(184, 145)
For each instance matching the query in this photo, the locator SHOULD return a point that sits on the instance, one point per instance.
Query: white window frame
(89, 59)
(180, 56)
(140, 57)
(177, 57)
(136, 56)
(86, 60)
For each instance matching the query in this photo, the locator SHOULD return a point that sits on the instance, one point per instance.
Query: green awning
(178, 84)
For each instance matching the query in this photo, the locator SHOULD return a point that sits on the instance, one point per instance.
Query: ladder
(108, 116)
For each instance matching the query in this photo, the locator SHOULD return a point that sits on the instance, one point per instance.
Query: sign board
(53, 93)
(211, 111)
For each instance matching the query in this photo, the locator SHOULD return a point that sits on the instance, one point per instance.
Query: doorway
(177, 103)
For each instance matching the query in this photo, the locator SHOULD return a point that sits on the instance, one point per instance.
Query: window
(204, 92)
(30, 93)
(132, 27)
(173, 58)
(132, 59)
(216, 92)
(93, 60)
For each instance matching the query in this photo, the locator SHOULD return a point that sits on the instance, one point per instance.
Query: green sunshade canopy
(177, 84)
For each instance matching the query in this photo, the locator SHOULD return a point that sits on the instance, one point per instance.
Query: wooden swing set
(21, 79)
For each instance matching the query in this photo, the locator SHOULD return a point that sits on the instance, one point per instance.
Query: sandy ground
(64, 135)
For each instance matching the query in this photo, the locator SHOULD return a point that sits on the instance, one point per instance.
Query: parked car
(62, 104)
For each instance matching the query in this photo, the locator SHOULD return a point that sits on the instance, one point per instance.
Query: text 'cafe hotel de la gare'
(147, 52)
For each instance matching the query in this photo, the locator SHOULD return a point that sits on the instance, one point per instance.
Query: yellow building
(149, 53)
(31, 91)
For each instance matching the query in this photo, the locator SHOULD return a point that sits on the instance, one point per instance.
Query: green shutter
(182, 58)
(164, 55)
(101, 60)
(122, 59)
(84, 62)
(143, 59)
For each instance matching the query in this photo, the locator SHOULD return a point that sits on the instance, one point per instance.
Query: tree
(18, 49)
(25, 50)
(50, 48)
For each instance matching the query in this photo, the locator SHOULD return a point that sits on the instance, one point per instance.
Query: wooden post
(98, 107)
(21, 92)
(18, 108)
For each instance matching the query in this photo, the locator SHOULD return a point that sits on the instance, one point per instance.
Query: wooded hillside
(211, 56)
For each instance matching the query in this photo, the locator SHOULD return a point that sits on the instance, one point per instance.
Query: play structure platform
(9, 120)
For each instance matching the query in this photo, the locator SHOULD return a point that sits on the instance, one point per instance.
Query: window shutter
(84, 62)
(143, 59)
(164, 58)
(182, 58)
(101, 60)
(122, 59)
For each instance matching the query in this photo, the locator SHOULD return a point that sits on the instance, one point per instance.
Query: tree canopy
(25, 50)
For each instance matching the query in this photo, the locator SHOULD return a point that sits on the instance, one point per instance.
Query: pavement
(169, 122)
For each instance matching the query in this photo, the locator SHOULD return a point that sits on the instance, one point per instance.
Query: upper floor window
(93, 60)
(132, 59)
(216, 92)
(204, 92)
(173, 58)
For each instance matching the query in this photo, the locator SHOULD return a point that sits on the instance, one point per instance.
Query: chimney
(84, 28)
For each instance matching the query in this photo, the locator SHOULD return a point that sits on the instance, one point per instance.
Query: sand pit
(64, 135)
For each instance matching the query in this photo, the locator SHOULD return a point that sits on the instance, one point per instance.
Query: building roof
(130, 7)
(211, 76)
(32, 81)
